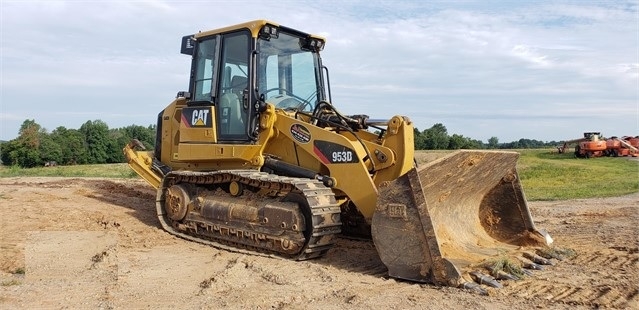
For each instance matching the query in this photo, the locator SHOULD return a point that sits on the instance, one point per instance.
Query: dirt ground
(94, 243)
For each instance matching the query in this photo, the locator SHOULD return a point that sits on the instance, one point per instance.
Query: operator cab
(237, 70)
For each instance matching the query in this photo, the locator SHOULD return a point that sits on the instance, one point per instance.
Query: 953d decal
(333, 153)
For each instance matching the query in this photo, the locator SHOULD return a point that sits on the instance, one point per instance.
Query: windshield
(289, 76)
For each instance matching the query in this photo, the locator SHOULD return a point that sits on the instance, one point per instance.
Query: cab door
(232, 106)
(219, 84)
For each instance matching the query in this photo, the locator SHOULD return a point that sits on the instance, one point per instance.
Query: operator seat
(231, 111)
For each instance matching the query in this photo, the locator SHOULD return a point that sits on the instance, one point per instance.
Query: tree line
(437, 138)
(95, 143)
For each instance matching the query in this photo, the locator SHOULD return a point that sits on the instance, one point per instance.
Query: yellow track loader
(255, 158)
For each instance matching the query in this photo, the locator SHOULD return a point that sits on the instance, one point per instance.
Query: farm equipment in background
(622, 147)
(633, 142)
(591, 145)
(255, 158)
(561, 149)
(595, 145)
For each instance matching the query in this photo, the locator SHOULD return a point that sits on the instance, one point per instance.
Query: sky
(543, 70)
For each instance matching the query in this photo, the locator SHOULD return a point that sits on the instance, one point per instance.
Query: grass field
(552, 176)
(97, 171)
(545, 175)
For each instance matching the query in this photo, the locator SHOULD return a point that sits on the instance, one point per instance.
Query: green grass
(551, 176)
(544, 174)
(506, 265)
(558, 253)
(547, 175)
(10, 283)
(19, 270)
(98, 171)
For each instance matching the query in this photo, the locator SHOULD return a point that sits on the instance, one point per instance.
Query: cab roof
(254, 26)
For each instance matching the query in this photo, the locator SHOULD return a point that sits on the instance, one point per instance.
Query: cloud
(11, 117)
(505, 69)
(530, 55)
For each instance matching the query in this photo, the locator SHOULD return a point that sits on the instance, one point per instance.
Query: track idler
(439, 222)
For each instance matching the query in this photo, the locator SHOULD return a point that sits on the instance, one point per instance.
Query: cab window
(232, 106)
(204, 79)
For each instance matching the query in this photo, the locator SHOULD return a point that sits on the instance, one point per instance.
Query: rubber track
(320, 199)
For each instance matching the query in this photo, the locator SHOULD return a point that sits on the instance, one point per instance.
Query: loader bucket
(436, 222)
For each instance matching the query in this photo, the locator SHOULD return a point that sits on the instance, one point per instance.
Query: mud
(93, 243)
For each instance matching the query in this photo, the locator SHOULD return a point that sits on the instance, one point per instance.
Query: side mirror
(188, 45)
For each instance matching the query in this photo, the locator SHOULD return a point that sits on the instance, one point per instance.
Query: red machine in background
(626, 146)
(633, 141)
(594, 145)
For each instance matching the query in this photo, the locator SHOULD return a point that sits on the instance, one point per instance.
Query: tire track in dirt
(566, 293)
(611, 287)
(155, 269)
(603, 273)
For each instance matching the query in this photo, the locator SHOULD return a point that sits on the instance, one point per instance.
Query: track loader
(255, 158)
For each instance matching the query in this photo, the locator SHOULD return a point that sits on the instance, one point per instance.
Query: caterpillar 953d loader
(255, 158)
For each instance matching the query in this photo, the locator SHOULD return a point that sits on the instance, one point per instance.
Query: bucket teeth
(537, 259)
(475, 288)
(502, 275)
(485, 279)
(530, 265)
(527, 272)
(549, 255)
